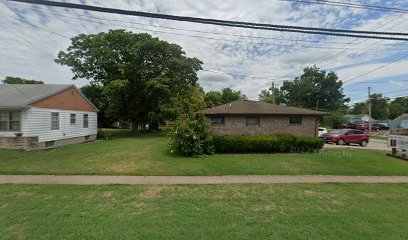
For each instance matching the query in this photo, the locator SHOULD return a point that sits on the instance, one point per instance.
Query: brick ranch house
(39, 116)
(245, 117)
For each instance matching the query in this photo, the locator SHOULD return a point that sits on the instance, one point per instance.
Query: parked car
(365, 127)
(321, 131)
(381, 127)
(348, 126)
(346, 136)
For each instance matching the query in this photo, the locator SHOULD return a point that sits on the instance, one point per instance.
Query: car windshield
(339, 131)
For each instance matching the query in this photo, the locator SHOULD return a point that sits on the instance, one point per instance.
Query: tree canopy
(139, 74)
(18, 80)
(267, 96)
(226, 95)
(314, 89)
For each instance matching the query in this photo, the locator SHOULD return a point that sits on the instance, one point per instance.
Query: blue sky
(242, 59)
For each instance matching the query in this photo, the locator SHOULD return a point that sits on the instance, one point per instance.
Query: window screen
(10, 121)
(73, 119)
(217, 121)
(252, 121)
(86, 120)
(54, 121)
(295, 121)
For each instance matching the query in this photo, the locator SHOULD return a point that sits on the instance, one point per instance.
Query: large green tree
(18, 80)
(188, 103)
(138, 73)
(398, 107)
(215, 98)
(379, 106)
(315, 89)
(359, 108)
(267, 96)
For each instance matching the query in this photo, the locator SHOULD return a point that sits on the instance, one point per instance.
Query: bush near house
(190, 136)
(266, 144)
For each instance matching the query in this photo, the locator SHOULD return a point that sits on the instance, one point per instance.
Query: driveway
(374, 144)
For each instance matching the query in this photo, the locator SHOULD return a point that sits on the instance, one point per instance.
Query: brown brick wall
(269, 125)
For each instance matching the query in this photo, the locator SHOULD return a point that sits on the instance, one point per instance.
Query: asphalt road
(374, 144)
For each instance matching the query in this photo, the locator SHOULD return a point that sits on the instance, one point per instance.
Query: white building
(38, 116)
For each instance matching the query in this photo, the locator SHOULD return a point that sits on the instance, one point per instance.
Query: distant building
(38, 116)
(245, 117)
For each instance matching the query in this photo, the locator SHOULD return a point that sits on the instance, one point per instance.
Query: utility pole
(369, 111)
(273, 92)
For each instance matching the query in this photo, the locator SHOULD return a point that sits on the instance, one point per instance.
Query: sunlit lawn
(288, 211)
(149, 155)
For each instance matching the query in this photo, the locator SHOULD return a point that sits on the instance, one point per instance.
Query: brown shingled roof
(245, 107)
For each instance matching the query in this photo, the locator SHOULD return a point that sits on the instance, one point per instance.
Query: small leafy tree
(190, 136)
(335, 119)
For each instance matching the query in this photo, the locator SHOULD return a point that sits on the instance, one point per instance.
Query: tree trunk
(135, 129)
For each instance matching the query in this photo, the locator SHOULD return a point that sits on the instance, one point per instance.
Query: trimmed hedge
(266, 144)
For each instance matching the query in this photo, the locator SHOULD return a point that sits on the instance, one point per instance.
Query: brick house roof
(245, 107)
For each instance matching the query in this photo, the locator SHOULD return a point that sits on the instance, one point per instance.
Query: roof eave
(14, 107)
(267, 114)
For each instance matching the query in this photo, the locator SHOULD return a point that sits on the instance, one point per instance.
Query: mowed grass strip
(252, 211)
(149, 155)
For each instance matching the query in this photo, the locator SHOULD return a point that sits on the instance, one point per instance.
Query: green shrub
(266, 144)
(102, 134)
(190, 136)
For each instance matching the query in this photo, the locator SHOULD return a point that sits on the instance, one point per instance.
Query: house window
(295, 121)
(217, 121)
(252, 121)
(73, 119)
(10, 121)
(86, 121)
(54, 121)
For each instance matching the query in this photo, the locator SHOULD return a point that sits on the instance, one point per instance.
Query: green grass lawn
(302, 211)
(149, 155)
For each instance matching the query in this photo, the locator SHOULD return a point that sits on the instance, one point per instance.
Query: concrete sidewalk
(137, 180)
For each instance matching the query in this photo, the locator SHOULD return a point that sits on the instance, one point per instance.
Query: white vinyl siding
(36, 122)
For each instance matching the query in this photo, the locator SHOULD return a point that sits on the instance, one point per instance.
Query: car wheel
(364, 143)
(340, 141)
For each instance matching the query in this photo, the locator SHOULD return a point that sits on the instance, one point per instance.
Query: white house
(38, 116)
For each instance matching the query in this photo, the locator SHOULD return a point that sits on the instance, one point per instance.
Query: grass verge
(253, 211)
(149, 155)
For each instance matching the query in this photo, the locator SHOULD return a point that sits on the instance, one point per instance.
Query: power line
(225, 40)
(377, 68)
(351, 5)
(197, 31)
(27, 41)
(240, 75)
(385, 93)
(237, 24)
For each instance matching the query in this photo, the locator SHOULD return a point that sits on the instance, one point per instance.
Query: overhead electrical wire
(351, 5)
(63, 14)
(212, 38)
(226, 23)
(377, 68)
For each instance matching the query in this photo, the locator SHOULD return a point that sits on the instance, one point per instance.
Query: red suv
(346, 136)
